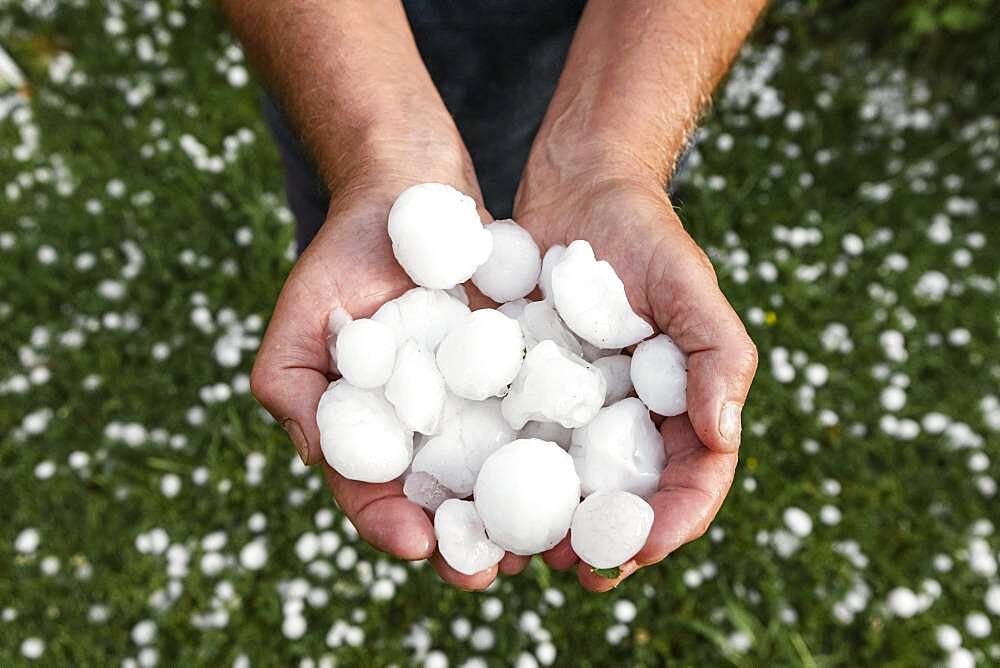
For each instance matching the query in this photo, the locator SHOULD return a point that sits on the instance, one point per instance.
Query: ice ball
(610, 527)
(481, 356)
(365, 353)
(511, 271)
(416, 389)
(659, 374)
(462, 539)
(422, 315)
(617, 374)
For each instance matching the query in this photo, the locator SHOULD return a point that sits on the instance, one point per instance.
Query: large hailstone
(547, 431)
(554, 385)
(551, 259)
(619, 449)
(540, 322)
(526, 494)
(513, 309)
(659, 374)
(437, 236)
(479, 425)
(609, 528)
(416, 389)
(617, 374)
(422, 315)
(461, 538)
(481, 356)
(365, 353)
(361, 437)
(591, 300)
(425, 490)
(443, 457)
(512, 269)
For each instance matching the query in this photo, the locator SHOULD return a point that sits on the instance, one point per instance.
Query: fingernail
(730, 423)
(298, 439)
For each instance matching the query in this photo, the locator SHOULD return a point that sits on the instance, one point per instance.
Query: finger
(692, 488)
(476, 582)
(383, 516)
(512, 564)
(561, 556)
(597, 583)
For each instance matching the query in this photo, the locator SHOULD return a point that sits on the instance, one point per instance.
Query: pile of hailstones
(525, 408)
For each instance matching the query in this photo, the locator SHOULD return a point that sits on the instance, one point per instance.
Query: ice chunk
(551, 259)
(593, 353)
(659, 374)
(512, 269)
(481, 355)
(540, 322)
(616, 374)
(610, 527)
(462, 538)
(361, 437)
(425, 490)
(437, 235)
(591, 300)
(479, 425)
(554, 385)
(526, 494)
(547, 431)
(422, 315)
(513, 309)
(416, 389)
(365, 352)
(444, 458)
(619, 449)
(459, 293)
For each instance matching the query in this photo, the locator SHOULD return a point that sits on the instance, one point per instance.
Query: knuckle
(262, 383)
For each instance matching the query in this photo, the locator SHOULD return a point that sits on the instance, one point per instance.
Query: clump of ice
(416, 389)
(479, 425)
(365, 351)
(481, 355)
(425, 490)
(617, 374)
(511, 271)
(591, 300)
(360, 435)
(554, 385)
(659, 374)
(444, 458)
(513, 309)
(551, 259)
(422, 315)
(526, 494)
(437, 235)
(540, 322)
(462, 539)
(547, 431)
(610, 527)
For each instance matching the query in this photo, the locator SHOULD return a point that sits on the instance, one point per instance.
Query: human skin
(351, 80)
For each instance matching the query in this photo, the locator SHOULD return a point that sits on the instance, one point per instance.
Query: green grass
(902, 500)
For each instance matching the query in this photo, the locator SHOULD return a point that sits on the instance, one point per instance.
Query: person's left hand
(670, 282)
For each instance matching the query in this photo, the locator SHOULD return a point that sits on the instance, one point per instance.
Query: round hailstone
(416, 389)
(365, 352)
(610, 527)
(443, 457)
(659, 374)
(591, 299)
(361, 437)
(437, 236)
(481, 356)
(422, 315)
(512, 269)
(540, 322)
(479, 425)
(617, 375)
(551, 259)
(554, 385)
(619, 449)
(526, 494)
(425, 490)
(461, 538)
(547, 431)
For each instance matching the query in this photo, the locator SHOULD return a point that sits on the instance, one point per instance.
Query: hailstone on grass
(425, 490)
(609, 528)
(659, 374)
(365, 352)
(554, 385)
(616, 370)
(481, 355)
(540, 322)
(620, 449)
(551, 259)
(511, 271)
(461, 538)
(416, 389)
(526, 494)
(437, 235)
(361, 437)
(422, 315)
(591, 300)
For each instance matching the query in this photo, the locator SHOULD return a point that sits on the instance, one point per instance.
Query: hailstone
(526, 494)
(591, 300)
(444, 458)
(616, 373)
(479, 425)
(365, 352)
(360, 435)
(540, 322)
(481, 355)
(416, 389)
(554, 385)
(513, 309)
(547, 431)
(422, 315)
(593, 353)
(461, 538)
(437, 235)
(610, 527)
(512, 269)
(619, 449)
(425, 490)
(659, 374)
(551, 259)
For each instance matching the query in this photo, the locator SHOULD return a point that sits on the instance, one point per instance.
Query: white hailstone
(436, 659)
(459, 293)
(253, 556)
(32, 648)
(992, 599)
(591, 299)
(554, 385)
(482, 639)
(416, 389)
(798, 521)
(617, 376)
(461, 538)
(593, 353)
(513, 309)
(948, 637)
(610, 527)
(852, 244)
(307, 547)
(365, 353)
(427, 491)
(526, 660)
(27, 541)
(491, 609)
(902, 602)
(817, 374)
(511, 271)
(437, 235)
(978, 625)
(546, 653)
(829, 515)
(170, 485)
(540, 322)
(526, 494)
(443, 458)
(237, 76)
(659, 374)
(293, 627)
(620, 449)
(624, 610)
(893, 398)
(547, 431)
(361, 437)
(552, 257)
(481, 356)
(961, 658)
(422, 315)
(144, 632)
(479, 425)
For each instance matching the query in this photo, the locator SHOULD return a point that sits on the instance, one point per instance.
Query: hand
(670, 282)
